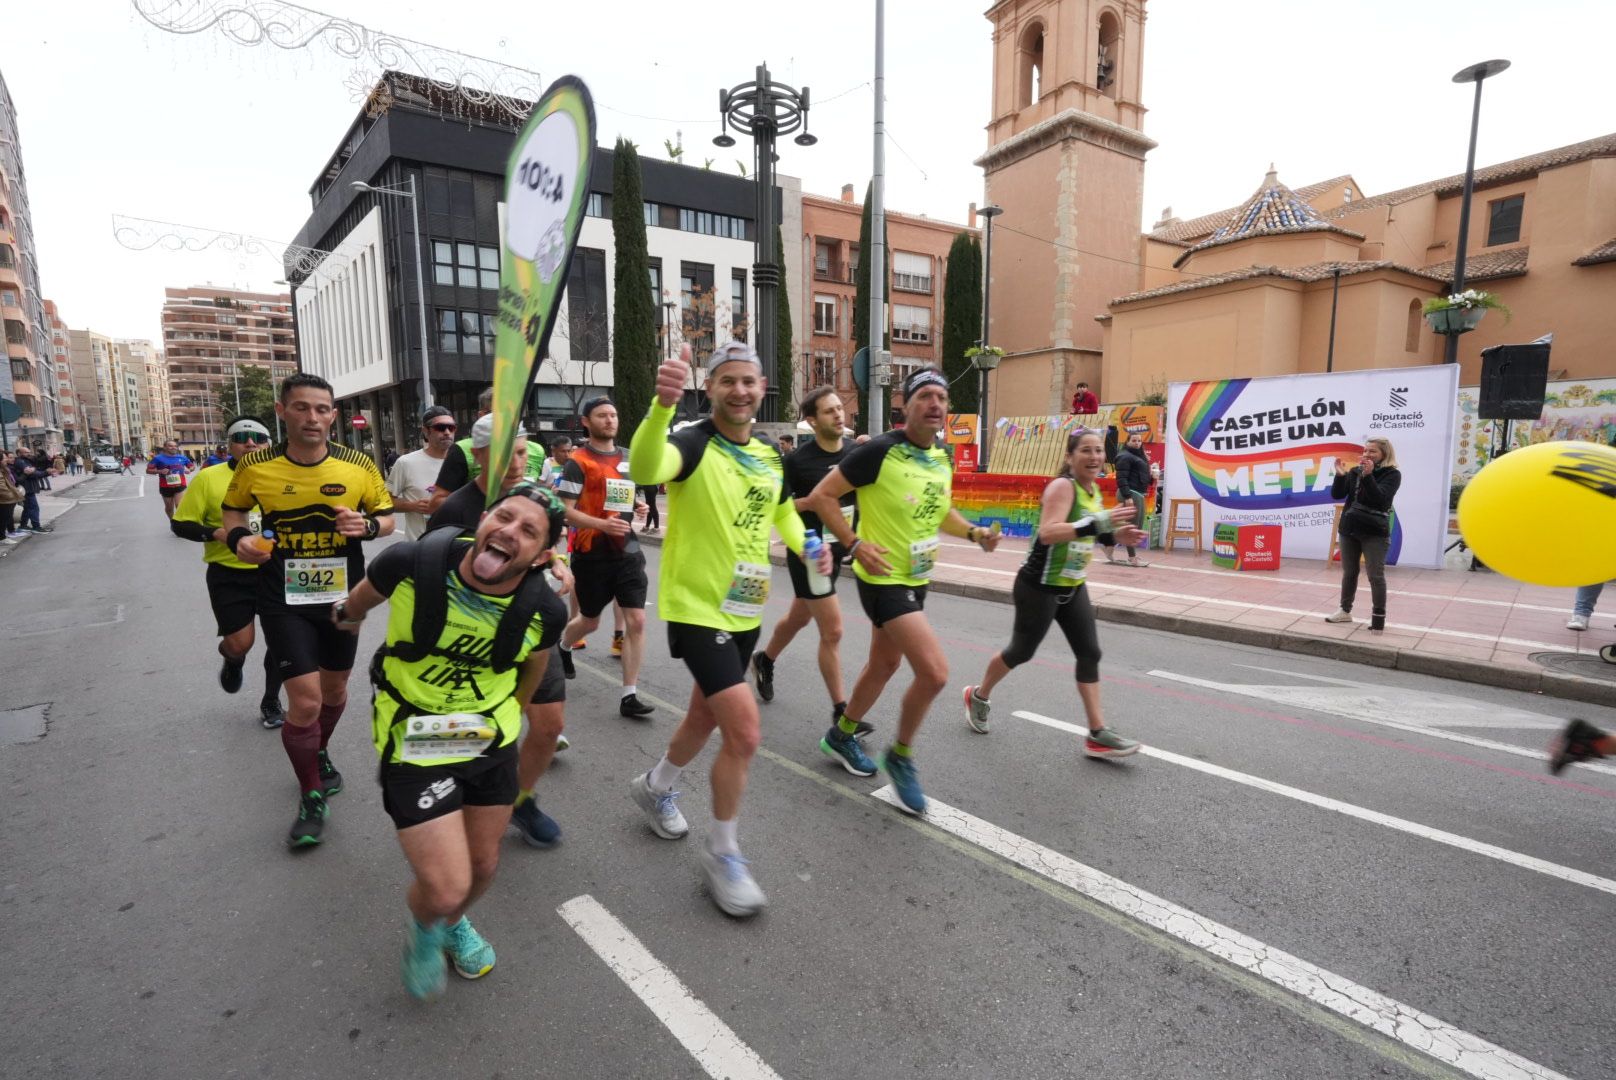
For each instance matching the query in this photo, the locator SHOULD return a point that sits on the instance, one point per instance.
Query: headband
(923, 377)
(244, 426)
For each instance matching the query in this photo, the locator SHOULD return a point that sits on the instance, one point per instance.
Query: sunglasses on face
(440, 427)
(252, 437)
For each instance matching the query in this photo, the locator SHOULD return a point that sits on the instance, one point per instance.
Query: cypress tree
(962, 319)
(634, 333)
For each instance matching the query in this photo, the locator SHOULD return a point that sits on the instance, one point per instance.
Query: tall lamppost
(1476, 73)
(408, 192)
(990, 212)
(765, 109)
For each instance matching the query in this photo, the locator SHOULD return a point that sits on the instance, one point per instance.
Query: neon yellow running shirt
(904, 492)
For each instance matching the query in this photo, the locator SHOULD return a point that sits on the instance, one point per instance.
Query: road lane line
(699, 1030)
(1419, 1030)
(1324, 802)
(1417, 729)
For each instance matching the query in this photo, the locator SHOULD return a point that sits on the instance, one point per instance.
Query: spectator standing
(31, 473)
(413, 476)
(1133, 483)
(1366, 525)
(1582, 608)
(10, 499)
(1084, 403)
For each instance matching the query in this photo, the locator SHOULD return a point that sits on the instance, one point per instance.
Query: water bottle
(812, 545)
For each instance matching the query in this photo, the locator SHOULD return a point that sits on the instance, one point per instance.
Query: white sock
(664, 775)
(563, 646)
(630, 690)
(721, 841)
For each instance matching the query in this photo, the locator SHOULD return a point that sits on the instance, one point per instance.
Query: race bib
(1075, 563)
(452, 735)
(923, 557)
(170, 480)
(748, 591)
(619, 496)
(847, 514)
(316, 581)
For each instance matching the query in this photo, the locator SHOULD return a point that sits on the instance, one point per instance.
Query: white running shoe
(661, 811)
(1577, 622)
(730, 882)
(976, 711)
(1339, 617)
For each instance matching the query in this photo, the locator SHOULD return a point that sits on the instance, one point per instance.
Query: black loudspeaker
(1514, 380)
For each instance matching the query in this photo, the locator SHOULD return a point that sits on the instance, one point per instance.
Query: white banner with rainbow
(1264, 450)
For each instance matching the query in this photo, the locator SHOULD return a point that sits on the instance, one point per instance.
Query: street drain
(24, 725)
(1586, 665)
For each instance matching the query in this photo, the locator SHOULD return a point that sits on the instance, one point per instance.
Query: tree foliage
(962, 319)
(257, 395)
(634, 337)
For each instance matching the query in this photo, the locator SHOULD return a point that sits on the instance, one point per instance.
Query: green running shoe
(311, 814)
(1106, 743)
(330, 778)
(473, 957)
(425, 972)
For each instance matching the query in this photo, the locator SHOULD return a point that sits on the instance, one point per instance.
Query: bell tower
(1066, 162)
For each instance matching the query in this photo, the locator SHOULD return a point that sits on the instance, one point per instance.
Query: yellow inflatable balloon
(1545, 514)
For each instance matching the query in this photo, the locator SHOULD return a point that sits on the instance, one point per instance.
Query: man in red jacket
(1084, 403)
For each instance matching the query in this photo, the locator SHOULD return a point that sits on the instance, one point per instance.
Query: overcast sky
(120, 117)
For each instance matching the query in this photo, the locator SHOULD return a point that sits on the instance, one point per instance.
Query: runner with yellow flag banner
(546, 187)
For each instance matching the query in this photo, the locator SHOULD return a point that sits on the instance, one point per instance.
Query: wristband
(235, 537)
(1102, 522)
(854, 546)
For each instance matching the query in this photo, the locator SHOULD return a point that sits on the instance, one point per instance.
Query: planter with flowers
(1461, 312)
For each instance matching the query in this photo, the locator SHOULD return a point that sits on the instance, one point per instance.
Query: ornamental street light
(1478, 74)
(765, 110)
(408, 192)
(990, 212)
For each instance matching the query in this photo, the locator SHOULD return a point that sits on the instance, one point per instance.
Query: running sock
(664, 775)
(563, 647)
(721, 841)
(630, 690)
(272, 680)
(838, 708)
(975, 693)
(846, 726)
(302, 745)
(902, 749)
(522, 797)
(329, 715)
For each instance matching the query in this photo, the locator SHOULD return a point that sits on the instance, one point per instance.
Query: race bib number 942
(316, 581)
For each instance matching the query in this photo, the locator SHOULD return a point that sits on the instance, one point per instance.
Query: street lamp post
(990, 212)
(408, 192)
(1476, 73)
(765, 109)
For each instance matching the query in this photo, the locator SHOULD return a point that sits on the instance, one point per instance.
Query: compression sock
(846, 726)
(302, 744)
(721, 841)
(902, 749)
(664, 776)
(329, 715)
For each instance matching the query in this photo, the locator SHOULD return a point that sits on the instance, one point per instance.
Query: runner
(805, 468)
(232, 584)
(219, 456)
(606, 556)
(321, 500)
(467, 628)
(1579, 741)
(413, 476)
(1050, 588)
(560, 449)
(904, 485)
(546, 710)
(170, 467)
(460, 467)
(711, 588)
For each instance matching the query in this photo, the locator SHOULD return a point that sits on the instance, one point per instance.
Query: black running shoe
(311, 814)
(271, 715)
(632, 707)
(330, 778)
(230, 674)
(763, 674)
(566, 663)
(1574, 744)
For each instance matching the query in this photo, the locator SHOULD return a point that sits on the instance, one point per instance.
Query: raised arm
(651, 458)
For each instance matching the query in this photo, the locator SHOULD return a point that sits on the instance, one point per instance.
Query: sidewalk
(50, 508)
(1476, 626)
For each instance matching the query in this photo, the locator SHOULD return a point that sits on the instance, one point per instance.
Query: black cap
(434, 412)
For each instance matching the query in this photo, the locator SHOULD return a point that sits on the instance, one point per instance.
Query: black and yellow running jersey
(904, 492)
(312, 563)
(723, 498)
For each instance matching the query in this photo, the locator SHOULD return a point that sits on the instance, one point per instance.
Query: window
(471, 266)
(596, 206)
(1105, 71)
(588, 335)
(8, 258)
(824, 259)
(656, 287)
(696, 303)
(709, 224)
(738, 322)
(911, 272)
(16, 332)
(653, 214)
(1411, 342)
(8, 298)
(824, 373)
(824, 314)
(1504, 220)
(470, 333)
(1030, 65)
(19, 370)
(911, 323)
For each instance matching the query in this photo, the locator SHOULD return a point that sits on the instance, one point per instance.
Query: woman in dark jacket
(1133, 483)
(1366, 525)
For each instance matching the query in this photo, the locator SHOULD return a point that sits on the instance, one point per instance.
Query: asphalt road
(157, 927)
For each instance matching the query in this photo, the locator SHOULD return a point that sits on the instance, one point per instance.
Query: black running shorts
(553, 687)
(234, 596)
(307, 641)
(415, 794)
(717, 658)
(799, 573)
(600, 581)
(883, 603)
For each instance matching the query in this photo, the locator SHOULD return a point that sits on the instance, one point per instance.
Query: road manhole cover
(23, 725)
(1587, 665)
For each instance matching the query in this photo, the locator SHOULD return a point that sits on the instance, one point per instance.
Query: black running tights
(1036, 608)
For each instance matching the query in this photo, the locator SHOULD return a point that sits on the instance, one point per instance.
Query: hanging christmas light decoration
(298, 262)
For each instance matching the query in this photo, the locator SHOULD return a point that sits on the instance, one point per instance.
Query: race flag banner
(1265, 450)
(546, 187)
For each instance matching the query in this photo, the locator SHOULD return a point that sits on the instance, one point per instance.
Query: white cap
(482, 432)
(245, 425)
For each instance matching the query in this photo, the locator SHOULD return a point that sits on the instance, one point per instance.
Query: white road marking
(1419, 1030)
(1261, 693)
(698, 1029)
(1324, 802)
(1363, 701)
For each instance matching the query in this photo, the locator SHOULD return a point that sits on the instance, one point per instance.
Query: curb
(1547, 683)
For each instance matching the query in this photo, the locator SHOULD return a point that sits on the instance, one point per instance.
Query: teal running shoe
(473, 957)
(845, 750)
(905, 782)
(425, 972)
